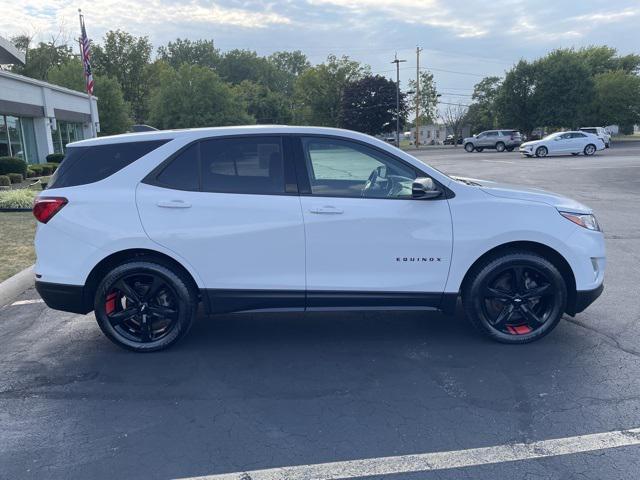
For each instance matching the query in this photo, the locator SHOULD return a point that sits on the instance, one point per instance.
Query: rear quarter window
(84, 165)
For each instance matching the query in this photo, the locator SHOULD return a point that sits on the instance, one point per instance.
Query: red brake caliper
(110, 305)
(519, 330)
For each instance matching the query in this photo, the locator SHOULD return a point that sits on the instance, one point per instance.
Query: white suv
(143, 227)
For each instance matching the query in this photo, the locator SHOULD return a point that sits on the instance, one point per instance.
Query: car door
(489, 140)
(230, 207)
(561, 144)
(368, 242)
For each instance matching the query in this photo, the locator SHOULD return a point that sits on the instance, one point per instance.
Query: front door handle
(327, 209)
(173, 204)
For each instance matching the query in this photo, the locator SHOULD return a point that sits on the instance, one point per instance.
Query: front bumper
(583, 299)
(68, 298)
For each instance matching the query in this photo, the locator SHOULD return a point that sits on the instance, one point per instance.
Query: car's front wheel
(515, 297)
(590, 149)
(469, 147)
(541, 152)
(145, 306)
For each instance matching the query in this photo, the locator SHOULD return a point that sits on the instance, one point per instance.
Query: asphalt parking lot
(248, 392)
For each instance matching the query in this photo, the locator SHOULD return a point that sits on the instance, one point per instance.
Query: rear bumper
(68, 298)
(584, 298)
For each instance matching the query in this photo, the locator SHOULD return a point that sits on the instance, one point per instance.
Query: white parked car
(599, 132)
(143, 227)
(563, 143)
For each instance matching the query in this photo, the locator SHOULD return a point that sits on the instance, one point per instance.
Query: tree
(563, 89)
(40, 59)
(515, 103)
(263, 104)
(195, 96)
(453, 116)
(604, 59)
(369, 105)
(291, 65)
(113, 111)
(482, 113)
(617, 99)
(238, 65)
(199, 52)
(318, 91)
(124, 57)
(428, 97)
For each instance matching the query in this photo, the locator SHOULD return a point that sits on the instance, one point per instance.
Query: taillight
(44, 208)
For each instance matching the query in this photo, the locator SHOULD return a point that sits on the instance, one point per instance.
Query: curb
(12, 287)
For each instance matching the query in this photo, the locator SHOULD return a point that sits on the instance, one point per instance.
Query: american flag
(85, 44)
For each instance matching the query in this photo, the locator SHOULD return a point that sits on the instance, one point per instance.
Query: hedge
(15, 177)
(55, 157)
(4, 181)
(12, 165)
(46, 169)
(19, 198)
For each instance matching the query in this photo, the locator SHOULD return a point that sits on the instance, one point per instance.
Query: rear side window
(182, 172)
(242, 165)
(83, 165)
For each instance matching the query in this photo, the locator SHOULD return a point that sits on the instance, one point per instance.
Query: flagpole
(94, 131)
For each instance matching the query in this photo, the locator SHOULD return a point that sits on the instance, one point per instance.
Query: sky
(462, 40)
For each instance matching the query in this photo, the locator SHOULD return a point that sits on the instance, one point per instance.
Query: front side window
(348, 169)
(252, 165)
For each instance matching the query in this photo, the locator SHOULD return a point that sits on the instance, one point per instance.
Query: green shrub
(55, 157)
(54, 166)
(46, 169)
(12, 165)
(37, 169)
(20, 198)
(15, 177)
(4, 181)
(31, 172)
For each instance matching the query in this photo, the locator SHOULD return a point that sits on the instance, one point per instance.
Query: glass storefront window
(4, 139)
(66, 132)
(18, 138)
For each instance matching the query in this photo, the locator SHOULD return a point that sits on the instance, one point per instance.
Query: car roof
(197, 133)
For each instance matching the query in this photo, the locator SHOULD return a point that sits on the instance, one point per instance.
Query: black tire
(590, 149)
(479, 149)
(575, 153)
(510, 149)
(542, 152)
(506, 309)
(468, 147)
(500, 147)
(145, 306)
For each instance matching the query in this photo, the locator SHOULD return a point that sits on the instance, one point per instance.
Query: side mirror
(423, 188)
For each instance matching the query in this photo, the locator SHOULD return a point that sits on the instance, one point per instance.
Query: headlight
(584, 220)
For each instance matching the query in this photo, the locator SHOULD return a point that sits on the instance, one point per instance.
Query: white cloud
(607, 17)
(42, 17)
(421, 12)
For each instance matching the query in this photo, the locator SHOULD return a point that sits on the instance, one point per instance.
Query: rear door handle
(327, 210)
(173, 204)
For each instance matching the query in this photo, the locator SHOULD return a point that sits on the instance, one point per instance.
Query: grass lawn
(16, 240)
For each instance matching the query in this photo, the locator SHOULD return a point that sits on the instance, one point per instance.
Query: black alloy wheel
(144, 306)
(516, 298)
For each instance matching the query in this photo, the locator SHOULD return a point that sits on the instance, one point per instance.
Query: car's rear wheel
(469, 147)
(515, 297)
(590, 149)
(144, 306)
(510, 149)
(500, 147)
(541, 152)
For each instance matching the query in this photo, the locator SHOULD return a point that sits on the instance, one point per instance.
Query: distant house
(436, 133)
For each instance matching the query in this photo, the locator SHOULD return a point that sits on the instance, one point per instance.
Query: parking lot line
(427, 462)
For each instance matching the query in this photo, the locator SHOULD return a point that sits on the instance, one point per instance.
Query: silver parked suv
(501, 140)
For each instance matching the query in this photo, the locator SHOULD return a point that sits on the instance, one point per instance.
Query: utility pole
(397, 62)
(417, 135)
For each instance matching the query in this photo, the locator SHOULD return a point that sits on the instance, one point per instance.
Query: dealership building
(38, 118)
